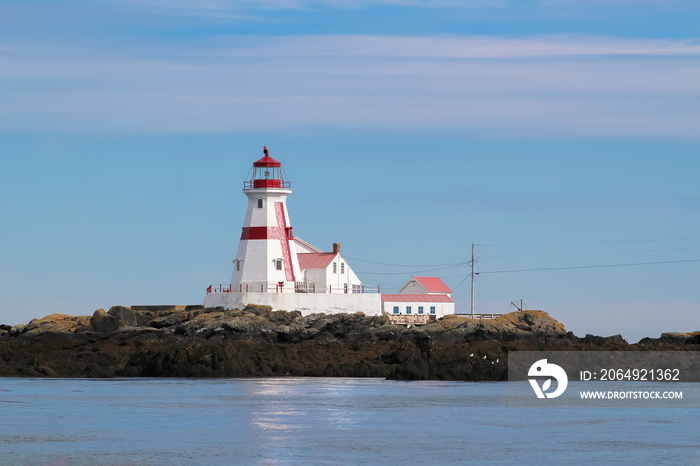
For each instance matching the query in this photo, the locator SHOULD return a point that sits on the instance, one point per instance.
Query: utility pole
(473, 260)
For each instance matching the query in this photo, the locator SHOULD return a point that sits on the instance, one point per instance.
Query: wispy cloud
(460, 47)
(452, 4)
(548, 85)
(228, 5)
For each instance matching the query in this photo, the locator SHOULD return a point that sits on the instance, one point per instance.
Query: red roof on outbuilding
(315, 260)
(433, 284)
(418, 298)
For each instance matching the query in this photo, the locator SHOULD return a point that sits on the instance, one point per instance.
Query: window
(342, 267)
(356, 288)
(432, 309)
(278, 264)
(396, 309)
(335, 267)
(260, 202)
(420, 309)
(408, 309)
(238, 265)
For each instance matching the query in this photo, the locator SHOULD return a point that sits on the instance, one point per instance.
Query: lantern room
(267, 173)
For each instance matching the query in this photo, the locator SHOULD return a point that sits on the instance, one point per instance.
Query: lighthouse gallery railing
(280, 184)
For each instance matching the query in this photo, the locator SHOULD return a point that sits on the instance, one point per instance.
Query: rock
(103, 322)
(693, 338)
(53, 323)
(611, 342)
(17, 330)
(688, 340)
(256, 341)
(388, 332)
(124, 314)
(520, 325)
(616, 339)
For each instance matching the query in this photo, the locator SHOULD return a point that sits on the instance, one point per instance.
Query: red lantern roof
(266, 161)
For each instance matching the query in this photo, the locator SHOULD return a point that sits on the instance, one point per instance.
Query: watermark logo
(542, 368)
(575, 379)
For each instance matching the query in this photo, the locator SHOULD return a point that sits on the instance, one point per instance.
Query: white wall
(441, 309)
(325, 278)
(306, 303)
(316, 277)
(259, 255)
(338, 280)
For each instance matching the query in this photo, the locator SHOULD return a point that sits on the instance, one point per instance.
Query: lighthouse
(267, 258)
(275, 268)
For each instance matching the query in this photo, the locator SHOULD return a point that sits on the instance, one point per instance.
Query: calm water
(322, 421)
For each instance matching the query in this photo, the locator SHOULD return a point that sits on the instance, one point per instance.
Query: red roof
(315, 260)
(419, 298)
(433, 285)
(266, 161)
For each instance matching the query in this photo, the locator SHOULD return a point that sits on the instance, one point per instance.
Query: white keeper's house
(275, 268)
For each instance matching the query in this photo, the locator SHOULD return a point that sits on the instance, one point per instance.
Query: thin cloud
(237, 5)
(548, 85)
(222, 5)
(459, 47)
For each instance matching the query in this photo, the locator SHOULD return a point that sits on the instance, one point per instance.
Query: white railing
(415, 319)
(299, 287)
(219, 289)
(480, 316)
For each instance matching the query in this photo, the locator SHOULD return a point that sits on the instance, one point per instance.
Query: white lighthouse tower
(267, 258)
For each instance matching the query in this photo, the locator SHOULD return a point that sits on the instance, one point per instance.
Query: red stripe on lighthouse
(282, 231)
(257, 233)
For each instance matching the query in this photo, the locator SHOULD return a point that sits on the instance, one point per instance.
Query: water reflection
(301, 414)
(269, 421)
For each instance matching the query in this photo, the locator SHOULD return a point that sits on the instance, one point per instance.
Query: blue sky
(553, 134)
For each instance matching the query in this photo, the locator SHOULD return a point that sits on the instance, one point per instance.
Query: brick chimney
(336, 248)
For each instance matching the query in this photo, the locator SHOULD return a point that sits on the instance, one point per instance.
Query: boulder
(104, 323)
(124, 314)
(17, 330)
(54, 323)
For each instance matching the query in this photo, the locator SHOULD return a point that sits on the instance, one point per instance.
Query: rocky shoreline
(257, 342)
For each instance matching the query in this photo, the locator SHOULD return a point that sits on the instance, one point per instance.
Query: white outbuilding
(327, 272)
(421, 299)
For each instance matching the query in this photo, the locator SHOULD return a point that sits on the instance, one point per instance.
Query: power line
(461, 275)
(592, 242)
(591, 253)
(460, 283)
(414, 272)
(388, 285)
(453, 264)
(590, 266)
